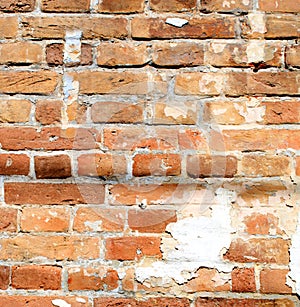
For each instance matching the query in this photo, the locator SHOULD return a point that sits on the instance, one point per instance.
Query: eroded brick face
(149, 153)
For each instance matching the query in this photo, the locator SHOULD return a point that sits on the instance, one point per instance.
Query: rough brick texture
(149, 153)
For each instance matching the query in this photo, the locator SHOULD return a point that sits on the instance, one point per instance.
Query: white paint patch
(80, 300)
(218, 47)
(251, 114)
(246, 2)
(177, 22)
(94, 4)
(219, 111)
(226, 4)
(207, 81)
(94, 226)
(60, 303)
(195, 242)
(70, 88)
(175, 112)
(72, 48)
(257, 22)
(256, 51)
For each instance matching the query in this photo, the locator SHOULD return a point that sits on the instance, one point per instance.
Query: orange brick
(8, 26)
(226, 6)
(274, 281)
(4, 277)
(122, 54)
(103, 165)
(15, 111)
(178, 54)
(17, 6)
(125, 6)
(156, 165)
(14, 164)
(99, 278)
(27, 247)
(282, 112)
(52, 166)
(259, 250)
(130, 248)
(63, 6)
(28, 82)
(285, 6)
(262, 224)
(20, 53)
(45, 220)
(8, 220)
(48, 111)
(292, 55)
(243, 280)
(153, 221)
(50, 194)
(55, 27)
(150, 302)
(116, 112)
(211, 166)
(204, 27)
(36, 277)
(298, 166)
(173, 5)
(193, 139)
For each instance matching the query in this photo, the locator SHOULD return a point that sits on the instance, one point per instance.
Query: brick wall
(150, 153)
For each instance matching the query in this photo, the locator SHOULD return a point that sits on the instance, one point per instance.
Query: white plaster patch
(60, 303)
(70, 88)
(175, 112)
(257, 22)
(219, 111)
(80, 300)
(251, 114)
(94, 226)
(218, 47)
(246, 2)
(72, 48)
(207, 81)
(256, 51)
(177, 22)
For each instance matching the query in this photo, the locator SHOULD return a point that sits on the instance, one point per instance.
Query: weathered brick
(153, 221)
(52, 166)
(292, 55)
(29, 247)
(116, 112)
(103, 165)
(261, 224)
(122, 54)
(193, 139)
(265, 166)
(226, 6)
(4, 277)
(8, 220)
(285, 6)
(15, 111)
(20, 53)
(173, 5)
(99, 219)
(18, 138)
(50, 194)
(48, 111)
(274, 281)
(282, 112)
(259, 250)
(8, 26)
(243, 280)
(77, 112)
(14, 164)
(28, 82)
(156, 165)
(75, 6)
(130, 248)
(56, 27)
(90, 278)
(36, 277)
(211, 166)
(125, 6)
(17, 5)
(177, 54)
(45, 220)
(204, 27)
(298, 166)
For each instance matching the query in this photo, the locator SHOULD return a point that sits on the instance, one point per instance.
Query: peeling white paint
(175, 112)
(257, 22)
(219, 111)
(94, 226)
(177, 22)
(211, 80)
(251, 114)
(80, 300)
(218, 47)
(72, 47)
(60, 303)
(256, 51)
(246, 2)
(226, 4)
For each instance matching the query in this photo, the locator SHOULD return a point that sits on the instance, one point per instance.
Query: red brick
(177, 54)
(204, 27)
(99, 219)
(75, 6)
(17, 5)
(28, 82)
(173, 5)
(130, 248)
(48, 111)
(193, 139)
(4, 277)
(124, 6)
(103, 165)
(151, 220)
(122, 54)
(285, 6)
(8, 220)
(36, 301)
(243, 280)
(261, 224)
(99, 278)
(9, 26)
(45, 220)
(259, 250)
(150, 302)
(14, 164)
(292, 55)
(30, 247)
(52, 166)
(55, 27)
(36, 277)
(116, 112)
(226, 6)
(50, 194)
(298, 166)
(274, 281)
(21, 138)
(156, 165)
(199, 166)
(15, 111)
(282, 112)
